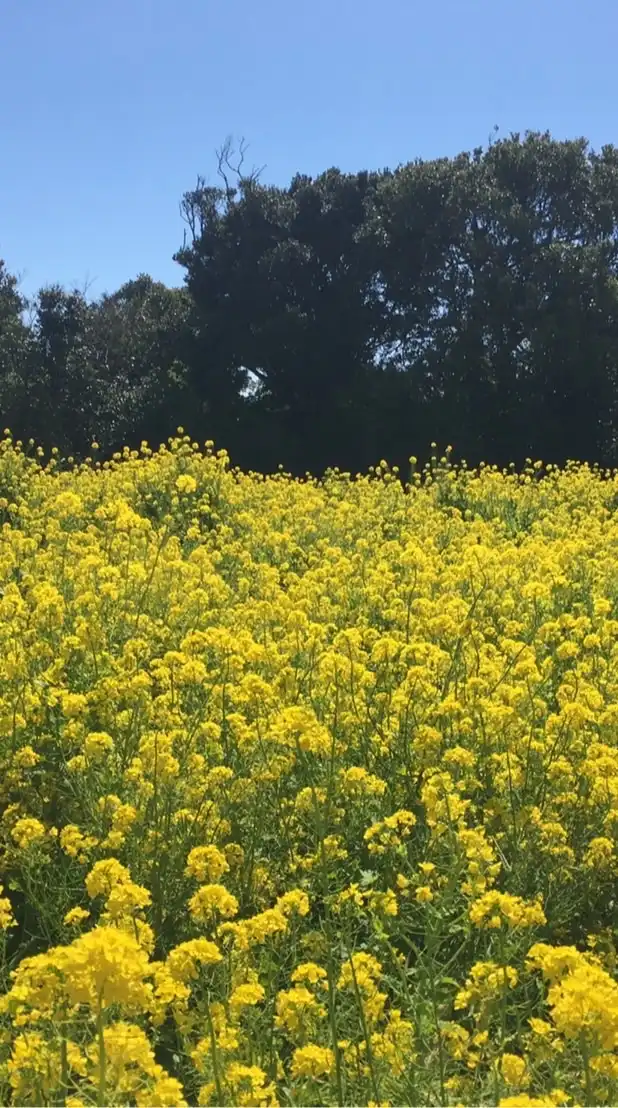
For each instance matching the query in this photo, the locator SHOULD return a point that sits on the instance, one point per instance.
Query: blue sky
(111, 108)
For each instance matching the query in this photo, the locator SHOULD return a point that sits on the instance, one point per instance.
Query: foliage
(349, 317)
(475, 296)
(107, 369)
(309, 790)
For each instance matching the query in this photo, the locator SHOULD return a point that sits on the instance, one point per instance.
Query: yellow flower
(124, 817)
(312, 1061)
(125, 899)
(486, 981)
(6, 912)
(522, 1100)
(394, 1044)
(206, 863)
(427, 868)
(256, 929)
(26, 758)
(294, 901)
(495, 909)
(33, 1069)
(309, 972)
(555, 961)
(27, 831)
(165, 1092)
(387, 834)
(245, 996)
(209, 676)
(114, 840)
(75, 843)
(362, 969)
(73, 704)
(540, 1027)
(585, 1002)
(356, 781)
(75, 916)
(77, 764)
(298, 725)
(104, 876)
(514, 1070)
(186, 483)
(102, 967)
(353, 895)
(600, 853)
(168, 992)
(97, 744)
(184, 959)
(249, 1086)
(212, 900)
(385, 903)
(424, 894)
(456, 1040)
(130, 1065)
(105, 966)
(297, 1011)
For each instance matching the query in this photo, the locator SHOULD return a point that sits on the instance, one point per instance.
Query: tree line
(342, 319)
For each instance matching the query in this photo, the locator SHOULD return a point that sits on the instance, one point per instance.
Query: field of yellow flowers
(309, 790)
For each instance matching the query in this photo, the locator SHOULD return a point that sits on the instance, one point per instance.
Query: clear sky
(111, 108)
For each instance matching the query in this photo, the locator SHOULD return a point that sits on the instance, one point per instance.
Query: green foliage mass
(350, 317)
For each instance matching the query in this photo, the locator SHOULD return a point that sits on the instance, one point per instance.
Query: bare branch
(242, 150)
(224, 164)
(188, 208)
(227, 164)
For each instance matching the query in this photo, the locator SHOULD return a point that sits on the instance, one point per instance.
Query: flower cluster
(308, 789)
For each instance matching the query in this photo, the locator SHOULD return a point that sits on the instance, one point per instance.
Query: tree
(14, 347)
(61, 387)
(109, 370)
(349, 317)
(281, 288)
(499, 271)
(470, 299)
(139, 342)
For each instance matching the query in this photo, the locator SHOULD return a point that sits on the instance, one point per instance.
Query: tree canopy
(340, 319)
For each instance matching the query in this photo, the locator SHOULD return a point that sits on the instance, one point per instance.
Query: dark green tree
(110, 370)
(61, 388)
(14, 349)
(470, 300)
(516, 347)
(287, 329)
(138, 344)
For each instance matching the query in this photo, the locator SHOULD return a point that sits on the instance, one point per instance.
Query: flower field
(309, 790)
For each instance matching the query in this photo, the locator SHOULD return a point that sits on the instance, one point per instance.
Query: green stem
(503, 1008)
(370, 1059)
(431, 946)
(332, 1019)
(102, 1099)
(64, 1068)
(587, 1074)
(213, 1048)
